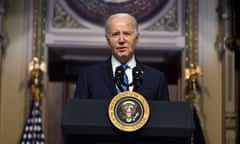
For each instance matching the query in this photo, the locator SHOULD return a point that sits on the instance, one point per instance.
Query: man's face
(122, 38)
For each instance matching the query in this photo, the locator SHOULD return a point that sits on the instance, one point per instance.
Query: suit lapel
(107, 74)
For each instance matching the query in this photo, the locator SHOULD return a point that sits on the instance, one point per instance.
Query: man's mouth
(121, 48)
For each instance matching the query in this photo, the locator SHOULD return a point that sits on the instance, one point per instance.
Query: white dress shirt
(131, 64)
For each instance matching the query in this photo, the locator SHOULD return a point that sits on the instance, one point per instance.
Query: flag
(33, 132)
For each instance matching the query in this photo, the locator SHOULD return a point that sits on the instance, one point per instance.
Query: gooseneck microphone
(137, 77)
(119, 73)
(137, 74)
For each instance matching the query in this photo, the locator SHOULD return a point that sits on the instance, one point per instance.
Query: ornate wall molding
(67, 27)
(225, 46)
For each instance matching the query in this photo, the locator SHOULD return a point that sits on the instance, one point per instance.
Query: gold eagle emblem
(129, 111)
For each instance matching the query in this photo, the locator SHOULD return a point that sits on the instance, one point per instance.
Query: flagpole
(33, 130)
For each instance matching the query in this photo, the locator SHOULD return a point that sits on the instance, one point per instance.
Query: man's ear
(107, 39)
(137, 37)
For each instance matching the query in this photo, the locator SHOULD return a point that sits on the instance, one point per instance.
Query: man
(97, 81)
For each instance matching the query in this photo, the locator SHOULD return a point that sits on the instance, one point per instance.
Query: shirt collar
(115, 63)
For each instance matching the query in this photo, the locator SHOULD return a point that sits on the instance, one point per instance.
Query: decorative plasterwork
(66, 28)
(61, 19)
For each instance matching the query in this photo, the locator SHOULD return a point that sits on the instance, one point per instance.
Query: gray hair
(121, 15)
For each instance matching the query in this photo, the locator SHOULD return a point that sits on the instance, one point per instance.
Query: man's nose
(121, 38)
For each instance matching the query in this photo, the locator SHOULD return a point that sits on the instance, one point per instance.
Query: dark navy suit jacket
(97, 82)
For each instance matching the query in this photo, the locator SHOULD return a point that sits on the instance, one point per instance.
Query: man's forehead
(121, 20)
(120, 25)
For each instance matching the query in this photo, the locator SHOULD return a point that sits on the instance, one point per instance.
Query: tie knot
(124, 66)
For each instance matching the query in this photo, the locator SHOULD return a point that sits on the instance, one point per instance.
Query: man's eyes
(124, 33)
(128, 33)
(114, 34)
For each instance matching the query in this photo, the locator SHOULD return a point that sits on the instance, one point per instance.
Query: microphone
(137, 77)
(119, 73)
(118, 79)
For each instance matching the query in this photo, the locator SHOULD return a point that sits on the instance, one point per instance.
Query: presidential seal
(128, 111)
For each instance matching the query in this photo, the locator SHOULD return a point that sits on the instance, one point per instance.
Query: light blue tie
(125, 78)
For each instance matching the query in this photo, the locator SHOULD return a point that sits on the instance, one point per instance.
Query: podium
(86, 121)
